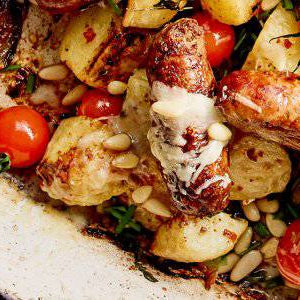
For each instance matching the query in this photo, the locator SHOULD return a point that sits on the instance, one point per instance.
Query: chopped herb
(124, 216)
(30, 83)
(279, 215)
(274, 282)
(254, 246)
(292, 211)
(146, 273)
(257, 276)
(169, 4)
(286, 36)
(115, 7)
(4, 162)
(11, 68)
(287, 4)
(262, 230)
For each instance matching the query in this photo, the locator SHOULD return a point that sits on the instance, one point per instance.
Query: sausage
(63, 6)
(178, 67)
(263, 103)
(11, 21)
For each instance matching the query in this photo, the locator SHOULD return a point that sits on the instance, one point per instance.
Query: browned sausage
(263, 103)
(63, 6)
(178, 59)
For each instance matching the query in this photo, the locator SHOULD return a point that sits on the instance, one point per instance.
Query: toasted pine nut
(157, 207)
(230, 261)
(244, 241)
(270, 247)
(118, 142)
(165, 109)
(219, 132)
(141, 194)
(269, 4)
(74, 95)
(126, 161)
(54, 72)
(267, 206)
(116, 87)
(276, 227)
(246, 265)
(251, 212)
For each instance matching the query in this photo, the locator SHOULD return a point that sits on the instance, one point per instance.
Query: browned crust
(178, 58)
(277, 95)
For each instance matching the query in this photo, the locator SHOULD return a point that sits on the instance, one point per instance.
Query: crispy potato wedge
(191, 239)
(281, 54)
(144, 14)
(233, 12)
(258, 168)
(98, 49)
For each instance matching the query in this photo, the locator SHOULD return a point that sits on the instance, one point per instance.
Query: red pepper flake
(287, 44)
(89, 34)
(231, 235)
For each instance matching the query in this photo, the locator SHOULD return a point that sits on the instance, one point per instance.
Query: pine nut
(230, 261)
(126, 161)
(74, 95)
(141, 194)
(267, 206)
(157, 207)
(219, 132)
(270, 247)
(275, 226)
(251, 212)
(54, 72)
(244, 241)
(246, 265)
(269, 4)
(119, 142)
(117, 87)
(165, 109)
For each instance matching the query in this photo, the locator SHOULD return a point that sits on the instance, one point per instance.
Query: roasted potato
(281, 54)
(98, 49)
(146, 13)
(76, 168)
(258, 168)
(233, 12)
(191, 239)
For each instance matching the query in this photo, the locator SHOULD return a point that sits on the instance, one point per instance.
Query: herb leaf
(11, 68)
(146, 273)
(287, 4)
(4, 162)
(286, 36)
(262, 230)
(30, 83)
(115, 7)
(254, 246)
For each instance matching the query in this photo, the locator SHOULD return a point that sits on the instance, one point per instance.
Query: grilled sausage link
(263, 103)
(178, 67)
(63, 6)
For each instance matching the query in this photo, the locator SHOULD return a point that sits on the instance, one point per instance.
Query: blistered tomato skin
(288, 254)
(24, 135)
(98, 103)
(219, 38)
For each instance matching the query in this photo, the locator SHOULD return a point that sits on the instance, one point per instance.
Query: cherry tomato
(219, 38)
(98, 103)
(288, 254)
(24, 135)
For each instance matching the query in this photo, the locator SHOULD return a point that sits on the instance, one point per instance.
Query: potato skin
(191, 239)
(276, 100)
(177, 57)
(258, 168)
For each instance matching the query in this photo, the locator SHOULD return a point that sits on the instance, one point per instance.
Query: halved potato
(281, 54)
(233, 12)
(258, 168)
(98, 49)
(191, 239)
(144, 14)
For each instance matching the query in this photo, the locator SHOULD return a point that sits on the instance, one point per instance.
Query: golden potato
(258, 168)
(98, 49)
(280, 54)
(191, 239)
(233, 12)
(76, 168)
(144, 14)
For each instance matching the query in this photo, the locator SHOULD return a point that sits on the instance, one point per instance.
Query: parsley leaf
(115, 7)
(30, 83)
(4, 162)
(11, 68)
(146, 274)
(262, 230)
(254, 246)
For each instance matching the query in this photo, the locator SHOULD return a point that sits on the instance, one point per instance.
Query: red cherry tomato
(98, 103)
(219, 38)
(24, 135)
(288, 254)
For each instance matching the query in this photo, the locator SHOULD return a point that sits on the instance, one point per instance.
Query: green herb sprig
(4, 162)
(11, 68)
(254, 246)
(262, 230)
(115, 7)
(30, 83)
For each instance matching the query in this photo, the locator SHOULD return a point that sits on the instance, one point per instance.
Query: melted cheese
(173, 111)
